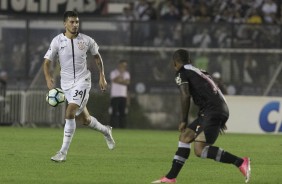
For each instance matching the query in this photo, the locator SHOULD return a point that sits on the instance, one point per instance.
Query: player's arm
(100, 65)
(50, 56)
(185, 105)
(121, 80)
(47, 74)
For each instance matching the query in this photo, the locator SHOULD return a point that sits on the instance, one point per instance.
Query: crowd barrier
(248, 114)
(29, 108)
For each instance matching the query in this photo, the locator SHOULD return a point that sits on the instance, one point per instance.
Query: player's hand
(50, 83)
(182, 126)
(103, 83)
(119, 79)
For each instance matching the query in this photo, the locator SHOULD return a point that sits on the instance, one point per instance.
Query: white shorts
(79, 94)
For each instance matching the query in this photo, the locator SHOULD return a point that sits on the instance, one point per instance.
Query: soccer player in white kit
(71, 48)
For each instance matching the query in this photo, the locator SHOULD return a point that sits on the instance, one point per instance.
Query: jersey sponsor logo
(81, 45)
(197, 129)
(270, 117)
(178, 79)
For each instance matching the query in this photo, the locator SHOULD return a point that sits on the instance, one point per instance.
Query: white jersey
(72, 54)
(119, 90)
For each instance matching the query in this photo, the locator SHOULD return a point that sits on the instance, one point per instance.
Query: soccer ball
(55, 97)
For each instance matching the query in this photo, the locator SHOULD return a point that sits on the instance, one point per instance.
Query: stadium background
(246, 53)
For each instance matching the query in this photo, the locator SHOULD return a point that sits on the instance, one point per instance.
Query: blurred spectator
(171, 13)
(127, 14)
(161, 72)
(187, 16)
(223, 16)
(257, 4)
(2, 55)
(222, 37)
(250, 69)
(3, 88)
(162, 39)
(101, 7)
(254, 18)
(202, 12)
(164, 7)
(243, 37)
(202, 39)
(120, 79)
(177, 38)
(126, 17)
(231, 11)
(269, 10)
(216, 76)
(144, 10)
(18, 58)
(37, 50)
(224, 60)
(152, 11)
(3, 80)
(236, 18)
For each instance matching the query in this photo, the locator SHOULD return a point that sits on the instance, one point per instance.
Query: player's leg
(122, 114)
(80, 96)
(69, 130)
(114, 122)
(77, 96)
(86, 119)
(203, 148)
(181, 155)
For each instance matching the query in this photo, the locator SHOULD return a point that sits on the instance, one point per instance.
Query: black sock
(231, 159)
(220, 155)
(179, 159)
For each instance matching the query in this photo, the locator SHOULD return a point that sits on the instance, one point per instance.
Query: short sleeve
(93, 47)
(113, 74)
(52, 52)
(180, 79)
(127, 75)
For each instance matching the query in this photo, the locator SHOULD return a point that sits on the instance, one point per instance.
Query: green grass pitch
(140, 157)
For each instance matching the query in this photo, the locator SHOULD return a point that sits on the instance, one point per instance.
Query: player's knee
(85, 120)
(70, 115)
(198, 151)
(187, 137)
(71, 110)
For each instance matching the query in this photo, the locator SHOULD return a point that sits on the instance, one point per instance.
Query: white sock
(69, 130)
(95, 124)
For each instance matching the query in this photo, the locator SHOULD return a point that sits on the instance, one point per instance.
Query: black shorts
(207, 127)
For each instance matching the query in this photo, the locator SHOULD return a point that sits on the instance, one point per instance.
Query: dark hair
(70, 14)
(182, 56)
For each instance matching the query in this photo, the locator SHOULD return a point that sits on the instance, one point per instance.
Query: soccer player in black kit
(204, 130)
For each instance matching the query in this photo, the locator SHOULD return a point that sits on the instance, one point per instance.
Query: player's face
(72, 24)
(122, 67)
(174, 65)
